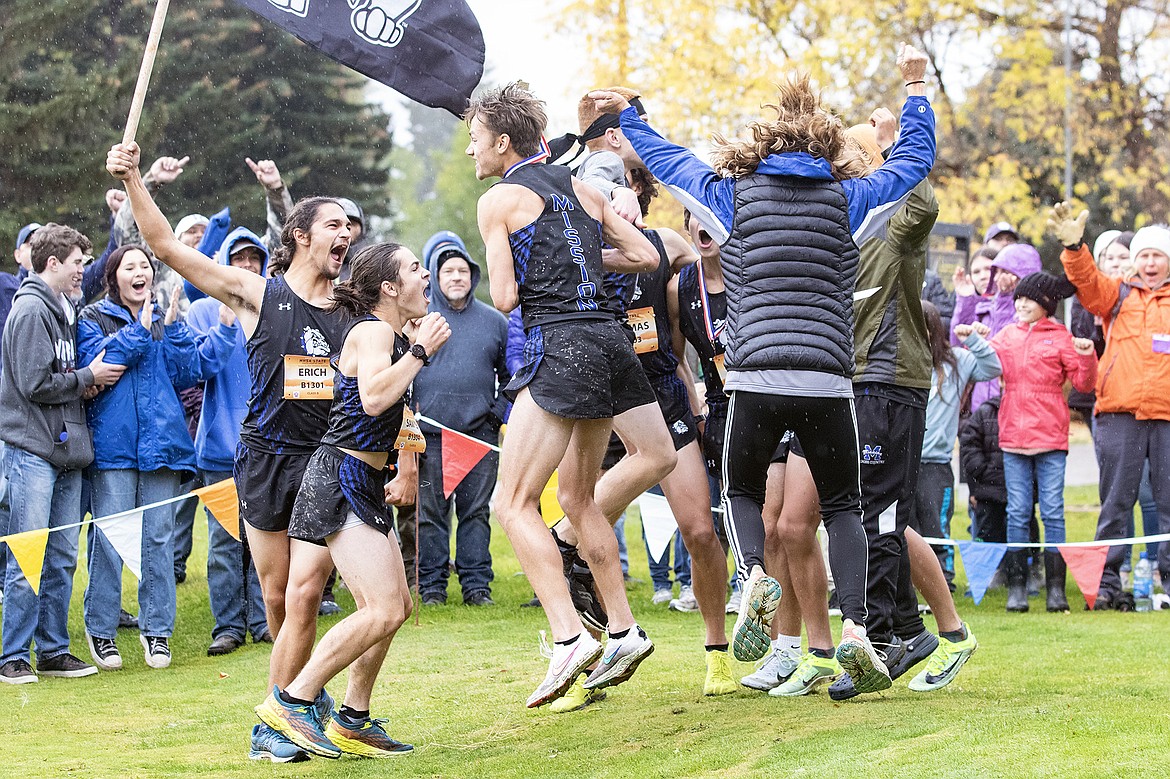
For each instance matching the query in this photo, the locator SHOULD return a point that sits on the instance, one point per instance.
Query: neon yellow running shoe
(366, 738)
(945, 662)
(576, 698)
(719, 680)
(811, 672)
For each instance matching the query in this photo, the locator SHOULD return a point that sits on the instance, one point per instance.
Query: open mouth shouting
(337, 253)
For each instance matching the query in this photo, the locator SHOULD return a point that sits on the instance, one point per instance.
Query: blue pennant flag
(980, 561)
(432, 51)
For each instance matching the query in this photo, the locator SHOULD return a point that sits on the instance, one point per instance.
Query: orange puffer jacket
(1134, 374)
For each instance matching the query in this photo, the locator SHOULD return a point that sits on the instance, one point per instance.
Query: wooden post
(156, 25)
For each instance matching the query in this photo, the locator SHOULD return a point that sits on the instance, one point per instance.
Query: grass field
(1078, 695)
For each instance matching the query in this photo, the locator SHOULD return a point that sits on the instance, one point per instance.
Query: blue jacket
(225, 393)
(138, 422)
(872, 199)
(461, 388)
(978, 362)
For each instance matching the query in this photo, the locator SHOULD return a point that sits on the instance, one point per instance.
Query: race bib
(1162, 343)
(410, 437)
(307, 378)
(645, 329)
(720, 369)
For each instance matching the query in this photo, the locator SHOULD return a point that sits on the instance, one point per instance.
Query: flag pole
(156, 25)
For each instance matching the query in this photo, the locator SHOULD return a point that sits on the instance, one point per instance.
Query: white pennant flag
(124, 532)
(657, 522)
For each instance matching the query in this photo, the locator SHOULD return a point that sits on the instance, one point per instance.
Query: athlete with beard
(290, 334)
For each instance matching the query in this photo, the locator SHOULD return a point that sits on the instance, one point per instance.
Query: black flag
(431, 51)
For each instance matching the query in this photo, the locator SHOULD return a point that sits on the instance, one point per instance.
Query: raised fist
(298, 7)
(607, 102)
(114, 200)
(885, 125)
(164, 170)
(1083, 346)
(912, 63)
(381, 22)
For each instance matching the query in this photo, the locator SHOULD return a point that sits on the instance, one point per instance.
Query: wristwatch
(418, 351)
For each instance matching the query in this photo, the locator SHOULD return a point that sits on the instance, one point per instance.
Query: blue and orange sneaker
(297, 723)
(364, 738)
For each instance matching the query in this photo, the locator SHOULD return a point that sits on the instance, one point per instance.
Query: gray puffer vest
(790, 266)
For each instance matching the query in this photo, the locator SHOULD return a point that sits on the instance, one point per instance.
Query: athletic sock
(955, 636)
(787, 642)
(716, 647)
(568, 641)
(354, 715)
(824, 654)
(291, 701)
(622, 634)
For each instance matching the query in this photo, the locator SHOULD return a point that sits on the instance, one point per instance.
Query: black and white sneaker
(17, 672)
(104, 652)
(65, 666)
(156, 650)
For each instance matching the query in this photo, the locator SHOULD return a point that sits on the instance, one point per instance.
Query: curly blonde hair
(801, 125)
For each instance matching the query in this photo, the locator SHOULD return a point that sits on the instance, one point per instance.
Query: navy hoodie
(461, 387)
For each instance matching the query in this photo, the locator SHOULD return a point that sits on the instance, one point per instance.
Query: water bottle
(1143, 584)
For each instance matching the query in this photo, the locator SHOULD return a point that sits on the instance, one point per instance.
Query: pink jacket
(1036, 361)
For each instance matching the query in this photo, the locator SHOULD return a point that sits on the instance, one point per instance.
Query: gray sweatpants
(1123, 445)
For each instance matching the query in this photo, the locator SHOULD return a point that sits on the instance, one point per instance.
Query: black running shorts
(672, 398)
(267, 485)
(582, 370)
(335, 486)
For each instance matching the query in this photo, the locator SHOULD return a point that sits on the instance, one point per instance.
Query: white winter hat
(1154, 237)
(1102, 243)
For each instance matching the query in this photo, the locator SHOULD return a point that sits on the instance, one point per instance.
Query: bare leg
(309, 567)
(797, 530)
(787, 621)
(688, 494)
(535, 444)
(932, 583)
(595, 539)
(270, 554)
(650, 457)
(372, 568)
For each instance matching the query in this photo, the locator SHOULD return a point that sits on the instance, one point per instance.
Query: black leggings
(827, 430)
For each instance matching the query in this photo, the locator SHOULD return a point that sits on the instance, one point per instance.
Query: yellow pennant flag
(224, 504)
(29, 550)
(550, 510)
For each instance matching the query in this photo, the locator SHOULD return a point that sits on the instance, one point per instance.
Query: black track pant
(827, 431)
(891, 435)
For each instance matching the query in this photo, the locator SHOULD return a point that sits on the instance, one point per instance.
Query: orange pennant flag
(1086, 563)
(29, 550)
(224, 504)
(460, 455)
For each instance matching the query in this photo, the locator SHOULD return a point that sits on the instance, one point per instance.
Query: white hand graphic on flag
(381, 22)
(298, 7)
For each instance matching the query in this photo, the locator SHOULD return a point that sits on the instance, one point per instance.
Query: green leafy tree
(227, 85)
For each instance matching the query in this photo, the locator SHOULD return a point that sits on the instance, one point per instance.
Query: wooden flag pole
(156, 26)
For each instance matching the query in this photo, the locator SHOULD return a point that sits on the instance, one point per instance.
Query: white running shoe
(780, 664)
(621, 659)
(565, 664)
(685, 601)
(734, 601)
(662, 596)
